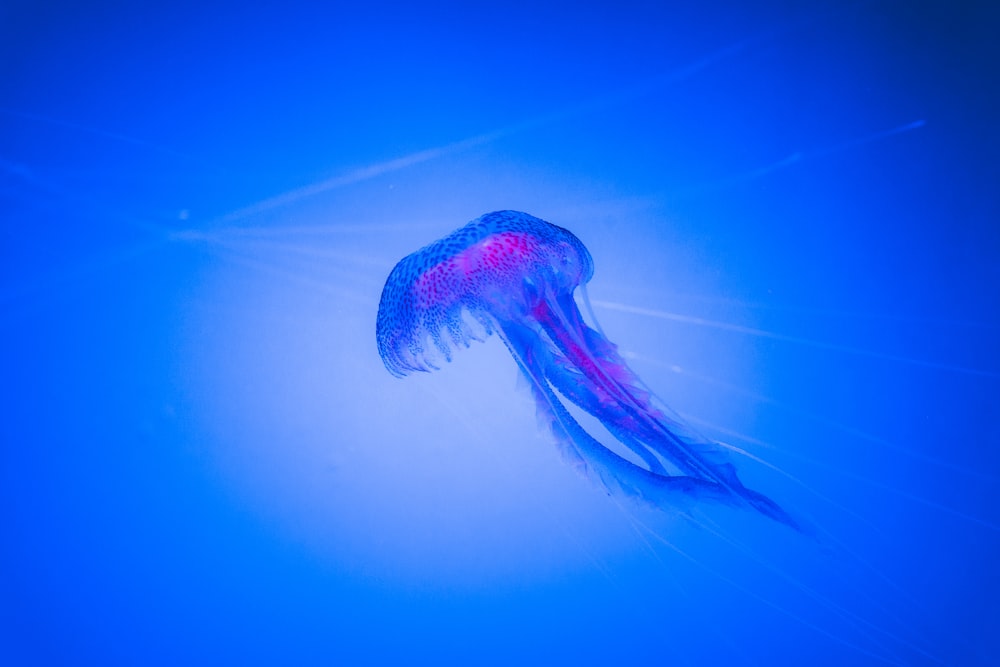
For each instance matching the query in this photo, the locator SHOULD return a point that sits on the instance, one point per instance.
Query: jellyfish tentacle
(569, 382)
(558, 324)
(616, 474)
(630, 415)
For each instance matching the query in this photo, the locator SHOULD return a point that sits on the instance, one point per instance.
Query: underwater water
(793, 221)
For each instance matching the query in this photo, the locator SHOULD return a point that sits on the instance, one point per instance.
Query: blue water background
(793, 214)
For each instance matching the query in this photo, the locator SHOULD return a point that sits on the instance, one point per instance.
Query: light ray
(600, 103)
(798, 340)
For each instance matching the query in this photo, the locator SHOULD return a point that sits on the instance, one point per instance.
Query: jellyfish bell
(455, 290)
(513, 274)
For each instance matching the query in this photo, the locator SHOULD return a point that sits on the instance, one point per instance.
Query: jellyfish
(515, 275)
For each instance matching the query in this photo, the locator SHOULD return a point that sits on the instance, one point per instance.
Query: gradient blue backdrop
(793, 214)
